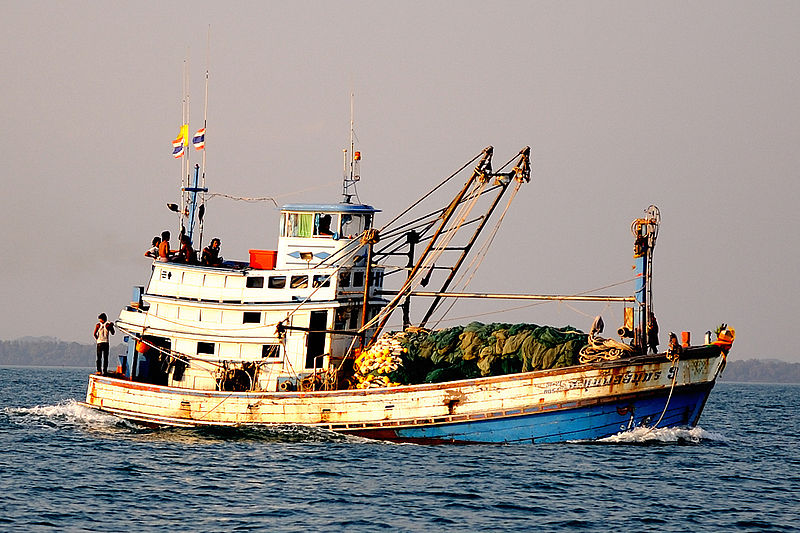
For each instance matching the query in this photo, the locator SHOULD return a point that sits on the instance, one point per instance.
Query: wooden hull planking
(582, 402)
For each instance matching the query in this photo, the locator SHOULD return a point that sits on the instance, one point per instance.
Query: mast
(351, 167)
(205, 122)
(192, 213)
(184, 157)
(645, 230)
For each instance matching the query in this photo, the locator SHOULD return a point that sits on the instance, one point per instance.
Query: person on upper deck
(153, 250)
(186, 254)
(210, 256)
(164, 251)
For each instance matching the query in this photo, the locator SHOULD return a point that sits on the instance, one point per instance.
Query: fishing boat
(298, 335)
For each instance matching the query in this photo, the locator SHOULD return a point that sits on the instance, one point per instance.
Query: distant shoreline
(47, 352)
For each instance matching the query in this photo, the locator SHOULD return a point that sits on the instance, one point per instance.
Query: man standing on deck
(101, 331)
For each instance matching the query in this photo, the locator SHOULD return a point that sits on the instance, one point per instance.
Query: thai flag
(177, 148)
(199, 139)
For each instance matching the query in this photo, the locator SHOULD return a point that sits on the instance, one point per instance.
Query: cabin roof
(333, 208)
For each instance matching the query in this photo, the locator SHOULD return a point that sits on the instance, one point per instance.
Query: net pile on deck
(374, 366)
(464, 352)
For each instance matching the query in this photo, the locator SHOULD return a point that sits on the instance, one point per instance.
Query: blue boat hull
(608, 418)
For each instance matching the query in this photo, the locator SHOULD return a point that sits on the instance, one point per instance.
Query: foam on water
(67, 412)
(677, 435)
(70, 413)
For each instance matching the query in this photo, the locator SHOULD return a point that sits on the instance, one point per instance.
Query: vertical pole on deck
(193, 200)
(412, 237)
(367, 275)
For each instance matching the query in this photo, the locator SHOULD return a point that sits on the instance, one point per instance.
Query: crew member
(164, 251)
(186, 254)
(652, 334)
(101, 332)
(210, 255)
(153, 251)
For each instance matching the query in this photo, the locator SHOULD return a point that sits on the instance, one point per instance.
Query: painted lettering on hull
(628, 377)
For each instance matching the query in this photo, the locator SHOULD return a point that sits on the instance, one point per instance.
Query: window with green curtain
(305, 225)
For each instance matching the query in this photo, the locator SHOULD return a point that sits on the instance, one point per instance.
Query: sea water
(64, 467)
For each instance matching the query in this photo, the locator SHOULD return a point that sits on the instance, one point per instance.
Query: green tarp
(477, 350)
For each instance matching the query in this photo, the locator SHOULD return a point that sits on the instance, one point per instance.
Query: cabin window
(270, 351)
(358, 279)
(353, 225)
(323, 280)
(299, 224)
(251, 317)
(344, 279)
(325, 224)
(299, 282)
(206, 348)
(255, 282)
(277, 282)
(354, 316)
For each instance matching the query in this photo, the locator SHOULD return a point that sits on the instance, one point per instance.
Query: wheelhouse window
(270, 351)
(299, 282)
(344, 279)
(277, 282)
(358, 279)
(325, 224)
(353, 225)
(255, 282)
(205, 348)
(251, 317)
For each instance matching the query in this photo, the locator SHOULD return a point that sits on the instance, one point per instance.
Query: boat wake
(68, 413)
(671, 435)
(274, 433)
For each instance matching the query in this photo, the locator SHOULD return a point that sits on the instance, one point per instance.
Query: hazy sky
(692, 106)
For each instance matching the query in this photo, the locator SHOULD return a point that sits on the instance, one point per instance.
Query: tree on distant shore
(762, 371)
(50, 352)
(46, 351)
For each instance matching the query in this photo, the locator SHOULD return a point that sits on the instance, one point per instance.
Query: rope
(447, 235)
(182, 357)
(269, 198)
(478, 258)
(451, 176)
(204, 328)
(675, 361)
(534, 304)
(213, 408)
(600, 349)
(243, 198)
